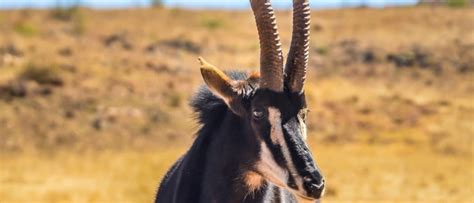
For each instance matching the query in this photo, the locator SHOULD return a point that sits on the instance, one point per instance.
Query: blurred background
(94, 94)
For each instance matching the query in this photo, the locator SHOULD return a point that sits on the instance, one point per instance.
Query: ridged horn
(297, 60)
(271, 57)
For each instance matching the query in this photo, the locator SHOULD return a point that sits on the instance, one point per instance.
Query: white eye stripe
(276, 132)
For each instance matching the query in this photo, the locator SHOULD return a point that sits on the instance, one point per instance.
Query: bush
(157, 3)
(47, 75)
(79, 24)
(322, 50)
(212, 24)
(74, 15)
(71, 14)
(65, 14)
(175, 100)
(458, 3)
(26, 29)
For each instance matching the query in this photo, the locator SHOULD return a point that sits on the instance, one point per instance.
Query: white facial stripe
(302, 127)
(269, 168)
(276, 133)
(277, 138)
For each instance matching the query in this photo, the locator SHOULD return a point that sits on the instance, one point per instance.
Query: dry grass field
(93, 104)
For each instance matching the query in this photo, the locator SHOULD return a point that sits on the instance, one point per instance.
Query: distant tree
(67, 3)
(157, 3)
(65, 10)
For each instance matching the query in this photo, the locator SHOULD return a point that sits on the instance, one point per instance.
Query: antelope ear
(218, 82)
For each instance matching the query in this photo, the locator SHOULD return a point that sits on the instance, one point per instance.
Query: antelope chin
(304, 198)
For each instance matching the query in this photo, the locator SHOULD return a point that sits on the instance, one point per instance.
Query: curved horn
(271, 57)
(297, 62)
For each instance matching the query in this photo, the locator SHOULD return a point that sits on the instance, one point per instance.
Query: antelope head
(273, 103)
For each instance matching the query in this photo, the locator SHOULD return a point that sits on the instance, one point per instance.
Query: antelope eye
(257, 114)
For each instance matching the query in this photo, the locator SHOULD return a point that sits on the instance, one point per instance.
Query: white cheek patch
(269, 168)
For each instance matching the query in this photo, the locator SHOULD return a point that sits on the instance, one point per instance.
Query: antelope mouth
(306, 197)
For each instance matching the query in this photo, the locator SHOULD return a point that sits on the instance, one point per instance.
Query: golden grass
(90, 177)
(380, 133)
(355, 173)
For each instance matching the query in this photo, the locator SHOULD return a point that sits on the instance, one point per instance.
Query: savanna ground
(93, 104)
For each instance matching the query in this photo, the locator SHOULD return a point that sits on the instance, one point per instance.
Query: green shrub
(212, 24)
(79, 24)
(322, 50)
(458, 3)
(26, 29)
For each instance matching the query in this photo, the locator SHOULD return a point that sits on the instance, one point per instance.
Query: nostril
(314, 183)
(320, 185)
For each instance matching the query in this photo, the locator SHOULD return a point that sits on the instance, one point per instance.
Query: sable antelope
(252, 143)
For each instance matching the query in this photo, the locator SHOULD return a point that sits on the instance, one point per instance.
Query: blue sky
(197, 4)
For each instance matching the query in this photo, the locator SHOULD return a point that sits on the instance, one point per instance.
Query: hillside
(96, 101)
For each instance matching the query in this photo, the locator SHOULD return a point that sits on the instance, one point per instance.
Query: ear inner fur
(217, 81)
